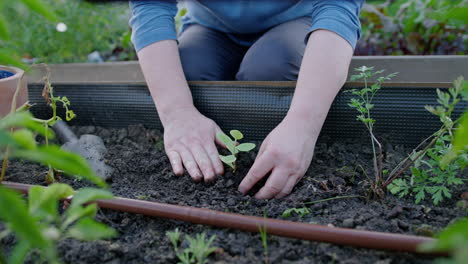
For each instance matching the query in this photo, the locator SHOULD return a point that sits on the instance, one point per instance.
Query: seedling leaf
(245, 147)
(227, 141)
(228, 159)
(236, 134)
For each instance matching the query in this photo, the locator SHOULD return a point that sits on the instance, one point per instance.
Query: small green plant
(431, 172)
(264, 237)
(363, 104)
(22, 145)
(52, 101)
(174, 237)
(39, 226)
(232, 146)
(302, 212)
(198, 250)
(453, 239)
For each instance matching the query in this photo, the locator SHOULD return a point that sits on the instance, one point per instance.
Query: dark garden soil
(142, 171)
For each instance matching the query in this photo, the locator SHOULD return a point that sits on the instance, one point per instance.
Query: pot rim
(17, 73)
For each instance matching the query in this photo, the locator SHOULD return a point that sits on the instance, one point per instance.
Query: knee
(276, 62)
(193, 66)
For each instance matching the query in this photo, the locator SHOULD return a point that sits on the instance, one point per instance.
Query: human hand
(189, 141)
(287, 153)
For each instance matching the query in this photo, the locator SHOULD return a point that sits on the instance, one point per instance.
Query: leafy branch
(437, 166)
(363, 104)
(39, 226)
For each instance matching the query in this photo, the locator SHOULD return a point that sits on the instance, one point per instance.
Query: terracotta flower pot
(9, 78)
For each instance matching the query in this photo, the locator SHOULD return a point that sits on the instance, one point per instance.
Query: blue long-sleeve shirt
(153, 21)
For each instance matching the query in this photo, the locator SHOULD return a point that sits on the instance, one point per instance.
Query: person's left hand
(287, 153)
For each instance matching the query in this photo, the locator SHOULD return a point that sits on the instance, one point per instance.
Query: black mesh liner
(255, 109)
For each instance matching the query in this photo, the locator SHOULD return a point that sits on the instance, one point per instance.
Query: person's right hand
(189, 141)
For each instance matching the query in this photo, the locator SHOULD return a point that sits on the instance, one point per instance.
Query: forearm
(160, 63)
(323, 72)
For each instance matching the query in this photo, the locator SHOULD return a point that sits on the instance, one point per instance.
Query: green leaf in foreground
(14, 211)
(41, 8)
(6, 58)
(4, 34)
(43, 201)
(25, 119)
(87, 229)
(24, 138)
(68, 162)
(453, 239)
(86, 195)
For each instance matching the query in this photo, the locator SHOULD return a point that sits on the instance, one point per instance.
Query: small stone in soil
(231, 202)
(348, 223)
(229, 183)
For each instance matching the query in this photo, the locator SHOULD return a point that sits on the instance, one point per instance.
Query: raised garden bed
(142, 171)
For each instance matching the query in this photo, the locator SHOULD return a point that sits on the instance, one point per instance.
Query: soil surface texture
(142, 171)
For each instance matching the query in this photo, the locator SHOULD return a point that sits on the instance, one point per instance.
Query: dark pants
(275, 55)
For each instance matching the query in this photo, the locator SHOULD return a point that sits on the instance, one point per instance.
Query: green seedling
(264, 237)
(52, 101)
(302, 212)
(39, 226)
(438, 166)
(174, 237)
(363, 104)
(233, 147)
(434, 164)
(200, 247)
(198, 250)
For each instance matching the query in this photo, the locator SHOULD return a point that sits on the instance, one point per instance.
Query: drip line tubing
(305, 231)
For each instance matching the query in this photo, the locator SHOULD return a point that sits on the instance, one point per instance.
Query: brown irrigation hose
(340, 236)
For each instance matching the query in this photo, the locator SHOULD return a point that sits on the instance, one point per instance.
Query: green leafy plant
(39, 226)
(453, 239)
(198, 250)
(431, 172)
(264, 237)
(174, 237)
(363, 104)
(302, 212)
(90, 27)
(460, 138)
(22, 145)
(26, 137)
(414, 27)
(232, 146)
(52, 101)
